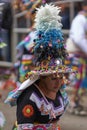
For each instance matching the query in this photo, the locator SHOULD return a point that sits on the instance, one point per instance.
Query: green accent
(28, 110)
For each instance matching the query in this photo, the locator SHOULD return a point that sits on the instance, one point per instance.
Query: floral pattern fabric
(39, 127)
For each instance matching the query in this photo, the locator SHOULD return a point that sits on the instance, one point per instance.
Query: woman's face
(53, 82)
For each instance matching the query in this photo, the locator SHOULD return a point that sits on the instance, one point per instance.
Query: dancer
(41, 99)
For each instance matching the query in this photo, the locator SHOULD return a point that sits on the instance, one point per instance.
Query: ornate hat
(49, 48)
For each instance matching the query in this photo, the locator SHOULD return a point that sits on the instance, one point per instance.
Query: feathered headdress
(47, 17)
(49, 51)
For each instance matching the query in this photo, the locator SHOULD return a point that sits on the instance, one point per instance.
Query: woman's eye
(56, 78)
(53, 78)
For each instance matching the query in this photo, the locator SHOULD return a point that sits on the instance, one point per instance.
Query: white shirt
(78, 32)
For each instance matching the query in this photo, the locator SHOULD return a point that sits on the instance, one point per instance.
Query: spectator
(77, 46)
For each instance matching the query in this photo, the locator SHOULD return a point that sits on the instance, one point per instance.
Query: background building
(22, 25)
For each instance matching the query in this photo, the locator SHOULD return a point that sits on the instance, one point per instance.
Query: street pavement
(67, 121)
(73, 122)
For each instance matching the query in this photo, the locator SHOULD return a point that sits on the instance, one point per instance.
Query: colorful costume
(35, 110)
(77, 47)
(80, 49)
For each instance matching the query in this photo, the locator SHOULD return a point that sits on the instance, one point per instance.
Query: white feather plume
(47, 17)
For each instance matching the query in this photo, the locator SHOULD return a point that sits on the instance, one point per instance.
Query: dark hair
(84, 3)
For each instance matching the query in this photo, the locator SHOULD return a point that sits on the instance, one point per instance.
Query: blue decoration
(51, 36)
(49, 43)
